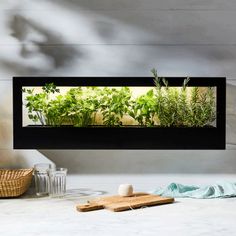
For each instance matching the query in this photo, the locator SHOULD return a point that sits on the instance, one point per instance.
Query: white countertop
(46, 216)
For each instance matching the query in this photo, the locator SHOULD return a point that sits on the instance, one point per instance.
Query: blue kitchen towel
(218, 190)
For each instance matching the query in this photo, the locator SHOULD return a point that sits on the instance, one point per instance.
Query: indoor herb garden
(125, 106)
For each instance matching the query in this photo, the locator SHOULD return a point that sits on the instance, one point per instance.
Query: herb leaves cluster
(162, 106)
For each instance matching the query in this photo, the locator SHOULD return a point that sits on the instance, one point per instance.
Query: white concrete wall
(121, 37)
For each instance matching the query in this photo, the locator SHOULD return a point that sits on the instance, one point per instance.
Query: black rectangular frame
(112, 137)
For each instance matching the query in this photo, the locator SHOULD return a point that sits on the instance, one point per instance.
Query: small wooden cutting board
(118, 203)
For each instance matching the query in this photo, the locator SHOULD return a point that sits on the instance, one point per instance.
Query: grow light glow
(119, 106)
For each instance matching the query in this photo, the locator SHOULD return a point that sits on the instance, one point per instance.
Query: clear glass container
(57, 182)
(41, 178)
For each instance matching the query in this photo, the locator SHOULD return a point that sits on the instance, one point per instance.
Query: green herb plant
(143, 109)
(161, 106)
(115, 103)
(39, 105)
(81, 106)
(175, 109)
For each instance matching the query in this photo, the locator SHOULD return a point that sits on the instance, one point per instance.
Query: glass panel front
(136, 107)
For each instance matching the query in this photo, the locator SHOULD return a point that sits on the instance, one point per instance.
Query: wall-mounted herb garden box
(119, 113)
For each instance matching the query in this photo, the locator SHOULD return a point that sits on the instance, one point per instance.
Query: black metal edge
(19, 82)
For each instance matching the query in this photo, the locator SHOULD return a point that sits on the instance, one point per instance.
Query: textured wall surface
(115, 38)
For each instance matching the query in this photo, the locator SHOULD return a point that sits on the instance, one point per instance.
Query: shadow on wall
(38, 42)
(21, 158)
(144, 162)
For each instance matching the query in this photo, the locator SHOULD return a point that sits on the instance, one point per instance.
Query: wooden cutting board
(118, 203)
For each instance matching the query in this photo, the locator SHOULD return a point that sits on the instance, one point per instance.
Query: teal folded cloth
(218, 190)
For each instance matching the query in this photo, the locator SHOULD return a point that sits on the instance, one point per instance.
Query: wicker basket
(14, 183)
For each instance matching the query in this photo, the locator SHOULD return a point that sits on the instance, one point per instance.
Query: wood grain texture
(120, 4)
(118, 203)
(118, 60)
(146, 27)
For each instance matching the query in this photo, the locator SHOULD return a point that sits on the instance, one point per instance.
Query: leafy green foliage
(115, 104)
(81, 107)
(78, 107)
(143, 109)
(162, 106)
(39, 104)
(202, 107)
(174, 109)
